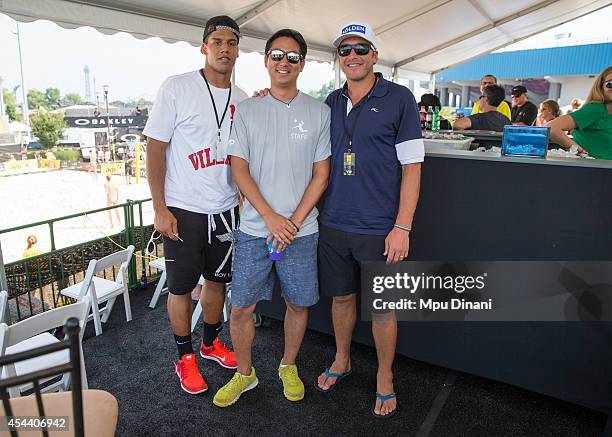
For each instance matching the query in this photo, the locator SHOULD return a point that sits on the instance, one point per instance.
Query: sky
(133, 68)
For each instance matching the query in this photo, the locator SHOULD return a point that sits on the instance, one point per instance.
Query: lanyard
(350, 133)
(229, 96)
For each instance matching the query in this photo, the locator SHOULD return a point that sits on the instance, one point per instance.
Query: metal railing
(34, 283)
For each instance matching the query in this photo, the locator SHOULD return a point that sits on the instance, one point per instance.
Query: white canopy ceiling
(418, 36)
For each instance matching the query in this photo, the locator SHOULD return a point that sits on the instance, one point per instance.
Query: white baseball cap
(362, 30)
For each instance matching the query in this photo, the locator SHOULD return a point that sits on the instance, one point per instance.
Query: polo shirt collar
(380, 89)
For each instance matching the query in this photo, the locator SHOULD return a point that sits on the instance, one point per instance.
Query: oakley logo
(354, 28)
(374, 110)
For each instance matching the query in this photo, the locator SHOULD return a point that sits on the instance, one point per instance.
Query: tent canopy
(416, 37)
(15, 127)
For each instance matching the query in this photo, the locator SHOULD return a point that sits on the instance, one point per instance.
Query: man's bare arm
(280, 227)
(397, 242)
(165, 222)
(462, 123)
(314, 191)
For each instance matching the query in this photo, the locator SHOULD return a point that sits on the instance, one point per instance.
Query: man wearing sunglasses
(196, 206)
(373, 190)
(279, 152)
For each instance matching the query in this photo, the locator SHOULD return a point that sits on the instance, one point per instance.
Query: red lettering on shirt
(201, 159)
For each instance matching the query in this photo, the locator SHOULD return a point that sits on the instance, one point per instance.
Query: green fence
(34, 284)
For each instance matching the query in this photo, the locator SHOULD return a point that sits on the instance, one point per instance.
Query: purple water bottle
(272, 253)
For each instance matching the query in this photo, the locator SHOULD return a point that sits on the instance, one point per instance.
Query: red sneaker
(220, 353)
(189, 374)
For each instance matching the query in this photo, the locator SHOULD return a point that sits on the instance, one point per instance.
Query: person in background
(112, 198)
(523, 111)
(31, 250)
(502, 108)
(591, 124)
(128, 169)
(549, 110)
(490, 118)
(575, 105)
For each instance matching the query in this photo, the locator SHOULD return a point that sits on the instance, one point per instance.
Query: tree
(36, 99)
(323, 92)
(48, 127)
(10, 107)
(73, 99)
(52, 98)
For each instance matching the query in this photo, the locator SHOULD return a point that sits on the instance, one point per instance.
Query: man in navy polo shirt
(377, 150)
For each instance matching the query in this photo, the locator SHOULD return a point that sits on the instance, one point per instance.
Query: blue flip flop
(384, 398)
(339, 377)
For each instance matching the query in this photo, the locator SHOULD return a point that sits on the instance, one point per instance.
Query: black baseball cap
(518, 90)
(221, 22)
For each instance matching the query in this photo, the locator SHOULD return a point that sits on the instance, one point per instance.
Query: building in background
(559, 73)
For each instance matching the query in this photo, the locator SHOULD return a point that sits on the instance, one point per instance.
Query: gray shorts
(254, 273)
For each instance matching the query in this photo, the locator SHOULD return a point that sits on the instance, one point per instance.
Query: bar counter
(481, 206)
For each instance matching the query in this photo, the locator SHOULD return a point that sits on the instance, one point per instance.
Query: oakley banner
(488, 290)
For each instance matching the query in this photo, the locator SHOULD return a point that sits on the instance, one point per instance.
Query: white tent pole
(336, 72)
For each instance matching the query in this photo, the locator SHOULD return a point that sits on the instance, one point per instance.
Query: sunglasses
(278, 55)
(151, 245)
(608, 84)
(360, 49)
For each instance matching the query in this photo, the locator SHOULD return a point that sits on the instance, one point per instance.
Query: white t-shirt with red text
(197, 166)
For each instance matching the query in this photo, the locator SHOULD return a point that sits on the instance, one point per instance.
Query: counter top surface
(496, 156)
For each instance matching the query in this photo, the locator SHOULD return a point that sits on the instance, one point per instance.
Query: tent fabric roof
(15, 126)
(418, 37)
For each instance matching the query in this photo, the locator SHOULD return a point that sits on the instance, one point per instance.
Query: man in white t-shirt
(195, 203)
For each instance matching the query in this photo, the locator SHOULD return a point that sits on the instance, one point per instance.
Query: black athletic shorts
(340, 255)
(195, 256)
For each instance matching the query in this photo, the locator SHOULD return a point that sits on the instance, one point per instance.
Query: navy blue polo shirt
(387, 135)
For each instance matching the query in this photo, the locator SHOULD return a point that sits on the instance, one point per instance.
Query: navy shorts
(195, 256)
(340, 256)
(254, 273)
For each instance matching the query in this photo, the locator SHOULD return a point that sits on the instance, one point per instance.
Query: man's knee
(296, 309)
(242, 314)
(345, 301)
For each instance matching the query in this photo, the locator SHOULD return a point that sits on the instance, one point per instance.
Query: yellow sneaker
(293, 387)
(230, 392)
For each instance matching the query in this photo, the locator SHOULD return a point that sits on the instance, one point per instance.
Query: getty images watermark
(488, 291)
(412, 284)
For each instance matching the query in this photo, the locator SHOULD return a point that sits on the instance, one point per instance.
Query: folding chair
(33, 333)
(104, 290)
(79, 412)
(159, 264)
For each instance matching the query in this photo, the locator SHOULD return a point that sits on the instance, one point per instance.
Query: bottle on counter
(428, 118)
(422, 117)
(435, 120)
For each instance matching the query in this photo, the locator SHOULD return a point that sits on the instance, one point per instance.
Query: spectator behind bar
(591, 124)
(432, 100)
(523, 111)
(490, 118)
(549, 110)
(575, 105)
(503, 107)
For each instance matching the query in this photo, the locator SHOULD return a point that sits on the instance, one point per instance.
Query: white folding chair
(104, 290)
(4, 307)
(33, 332)
(159, 264)
(197, 312)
